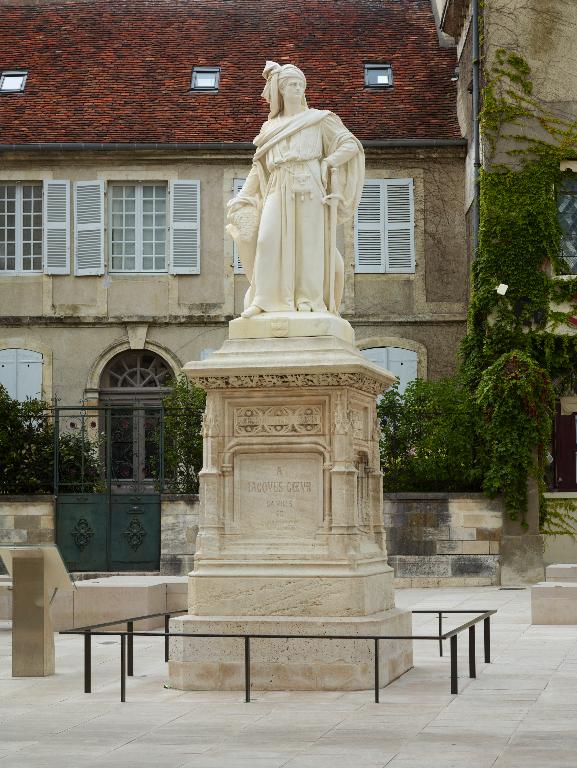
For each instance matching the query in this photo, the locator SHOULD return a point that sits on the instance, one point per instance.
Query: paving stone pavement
(520, 711)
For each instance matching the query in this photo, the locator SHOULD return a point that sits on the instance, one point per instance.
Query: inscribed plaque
(279, 494)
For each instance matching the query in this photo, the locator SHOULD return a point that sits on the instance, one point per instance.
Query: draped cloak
(286, 258)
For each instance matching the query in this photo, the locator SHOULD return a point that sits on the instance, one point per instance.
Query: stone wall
(433, 539)
(26, 520)
(178, 529)
(443, 539)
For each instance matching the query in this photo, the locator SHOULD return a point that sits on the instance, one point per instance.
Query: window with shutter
(21, 373)
(385, 227)
(20, 228)
(89, 230)
(185, 227)
(137, 224)
(401, 362)
(57, 227)
(237, 265)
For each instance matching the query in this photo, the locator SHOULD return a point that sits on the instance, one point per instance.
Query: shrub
(183, 436)
(26, 446)
(430, 438)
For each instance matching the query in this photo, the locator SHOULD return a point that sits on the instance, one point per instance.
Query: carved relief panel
(278, 420)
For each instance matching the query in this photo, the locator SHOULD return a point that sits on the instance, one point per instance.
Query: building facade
(119, 153)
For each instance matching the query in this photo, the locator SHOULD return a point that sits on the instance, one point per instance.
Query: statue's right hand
(234, 204)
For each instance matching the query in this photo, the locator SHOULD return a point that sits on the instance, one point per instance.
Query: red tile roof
(120, 70)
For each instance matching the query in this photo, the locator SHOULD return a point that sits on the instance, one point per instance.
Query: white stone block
(561, 572)
(554, 603)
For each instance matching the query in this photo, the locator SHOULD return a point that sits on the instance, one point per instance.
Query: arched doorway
(132, 387)
(116, 525)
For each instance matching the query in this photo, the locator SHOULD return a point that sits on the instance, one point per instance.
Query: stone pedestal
(32, 632)
(291, 537)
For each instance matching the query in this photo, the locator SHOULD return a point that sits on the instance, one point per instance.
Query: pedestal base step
(298, 664)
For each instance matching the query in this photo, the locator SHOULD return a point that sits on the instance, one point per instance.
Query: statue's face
(293, 90)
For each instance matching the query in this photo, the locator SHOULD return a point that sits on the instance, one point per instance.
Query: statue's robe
(287, 259)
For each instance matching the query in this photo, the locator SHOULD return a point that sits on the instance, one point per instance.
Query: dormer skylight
(205, 79)
(378, 75)
(13, 81)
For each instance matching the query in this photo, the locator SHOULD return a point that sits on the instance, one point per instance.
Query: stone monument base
(210, 664)
(291, 537)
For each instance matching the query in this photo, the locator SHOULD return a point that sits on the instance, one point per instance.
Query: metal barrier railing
(127, 642)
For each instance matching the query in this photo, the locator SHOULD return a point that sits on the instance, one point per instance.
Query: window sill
(390, 275)
(11, 274)
(133, 274)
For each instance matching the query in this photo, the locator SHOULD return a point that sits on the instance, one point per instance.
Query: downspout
(476, 131)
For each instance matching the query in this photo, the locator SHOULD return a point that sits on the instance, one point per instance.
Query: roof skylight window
(378, 75)
(205, 79)
(13, 81)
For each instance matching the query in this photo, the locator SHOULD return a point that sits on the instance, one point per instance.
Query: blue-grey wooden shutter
(370, 228)
(57, 227)
(399, 225)
(185, 227)
(89, 228)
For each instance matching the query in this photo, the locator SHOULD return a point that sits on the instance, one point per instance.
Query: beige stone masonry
(291, 521)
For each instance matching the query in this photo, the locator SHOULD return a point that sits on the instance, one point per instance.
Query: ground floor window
(399, 361)
(21, 373)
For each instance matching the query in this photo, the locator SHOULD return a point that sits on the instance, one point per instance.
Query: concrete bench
(115, 597)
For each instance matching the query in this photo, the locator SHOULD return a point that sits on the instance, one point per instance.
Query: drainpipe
(476, 134)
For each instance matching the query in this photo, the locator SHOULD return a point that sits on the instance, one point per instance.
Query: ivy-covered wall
(519, 352)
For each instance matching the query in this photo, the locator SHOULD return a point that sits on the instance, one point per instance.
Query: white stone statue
(307, 177)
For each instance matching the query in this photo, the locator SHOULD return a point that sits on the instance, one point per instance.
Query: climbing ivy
(515, 353)
(518, 400)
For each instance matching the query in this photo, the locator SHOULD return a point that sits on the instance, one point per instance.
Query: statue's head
(287, 81)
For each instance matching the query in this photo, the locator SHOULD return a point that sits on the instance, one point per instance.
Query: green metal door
(82, 530)
(135, 532)
(111, 457)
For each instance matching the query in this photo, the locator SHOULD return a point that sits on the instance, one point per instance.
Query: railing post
(161, 452)
(87, 662)
(122, 667)
(56, 447)
(377, 683)
(166, 637)
(454, 677)
(487, 639)
(247, 669)
(440, 633)
(130, 636)
(472, 664)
